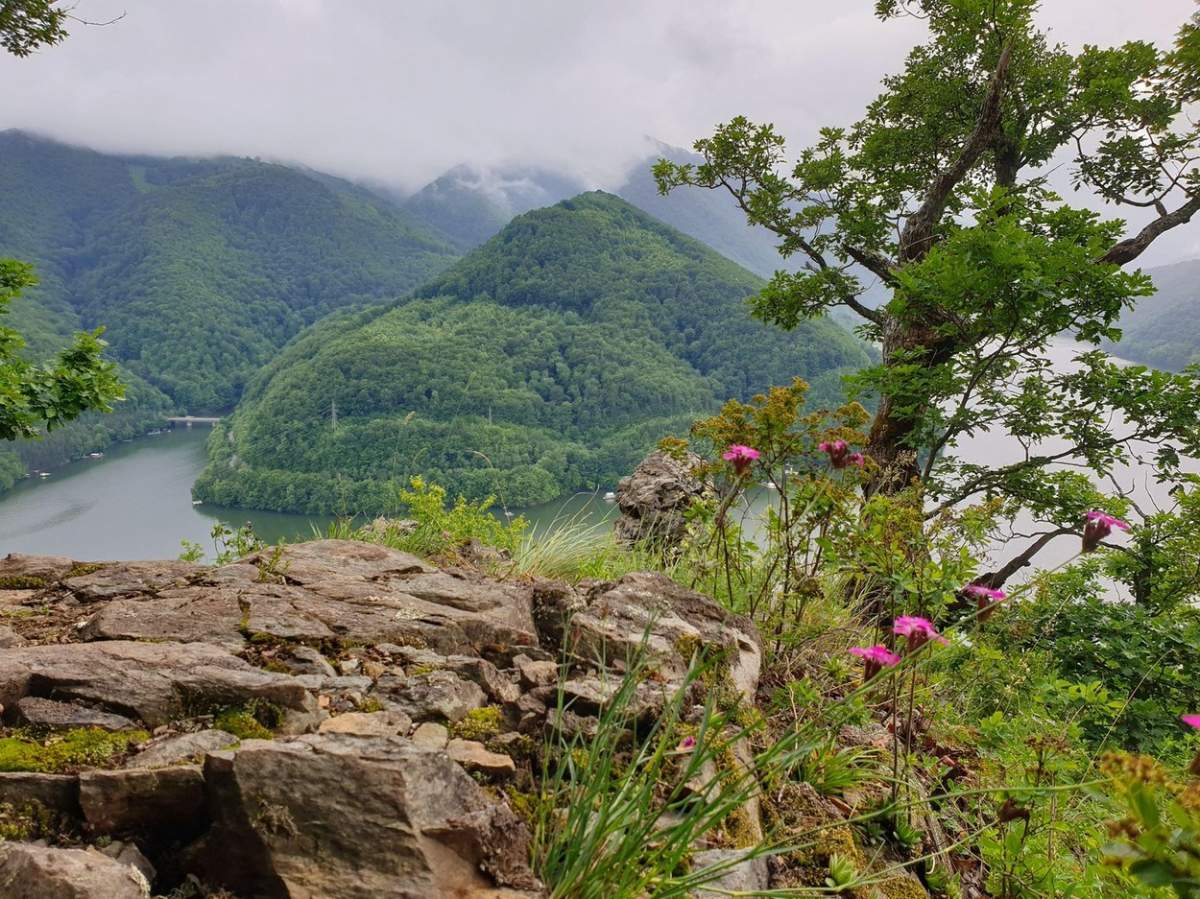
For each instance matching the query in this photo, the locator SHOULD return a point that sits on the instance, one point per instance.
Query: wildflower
(986, 599)
(1099, 525)
(839, 453)
(1191, 720)
(741, 456)
(918, 631)
(875, 659)
(686, 743)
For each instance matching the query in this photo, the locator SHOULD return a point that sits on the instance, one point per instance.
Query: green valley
(548, 360)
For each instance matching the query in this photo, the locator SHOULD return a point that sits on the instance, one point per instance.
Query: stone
(10, 638)
(49, 713)
(301, 659)
(675, 622)
(553, 605)
(538, 674)
(58, 792)
(152, 801)
(346, 817)
(739, 874)
(171, 750)
(474, 756)
(439, 695)
(29, 871)
(653, 500)
(368, 724)
(130, 579)
(19, 569)
(154, 682)
(431, 736)
(130, 854)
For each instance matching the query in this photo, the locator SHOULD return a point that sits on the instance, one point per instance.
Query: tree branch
(1133, 247)
(995, 579)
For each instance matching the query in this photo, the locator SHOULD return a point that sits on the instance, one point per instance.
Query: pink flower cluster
(1191, 720)
(741, 456)
(986, 599)
(875, 659)
(840, 455)
(1099, 525)
(916, 631)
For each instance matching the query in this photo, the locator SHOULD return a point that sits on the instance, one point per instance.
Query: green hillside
(546, 361)
(1163, 331)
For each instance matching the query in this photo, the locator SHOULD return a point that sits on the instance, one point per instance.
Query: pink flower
(855, 459)
(686, 743)
(875, 659)
(986, 599)
(1099, 525)
(1191, 720)
(741, 456)
(918, 631)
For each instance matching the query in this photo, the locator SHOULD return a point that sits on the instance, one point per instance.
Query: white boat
(197, 502)
(43, 474)
(95, 455)
(610, 497)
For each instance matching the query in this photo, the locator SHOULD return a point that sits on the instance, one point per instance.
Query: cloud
(399, 92)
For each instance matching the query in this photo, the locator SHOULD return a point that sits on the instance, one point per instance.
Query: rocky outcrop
(333, 719)
(655, 497)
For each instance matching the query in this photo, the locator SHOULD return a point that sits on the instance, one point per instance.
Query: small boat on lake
(95, 455)
(610, 497)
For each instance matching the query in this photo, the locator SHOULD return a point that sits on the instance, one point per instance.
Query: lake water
(136, 502)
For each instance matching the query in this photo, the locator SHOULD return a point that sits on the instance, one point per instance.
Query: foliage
(64, 751)
(548, 360)
(26, 25)
(33, 396)
(939, 192)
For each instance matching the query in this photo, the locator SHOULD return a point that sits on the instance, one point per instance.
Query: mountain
(200, 269)
(548, 360)
(1163, 330)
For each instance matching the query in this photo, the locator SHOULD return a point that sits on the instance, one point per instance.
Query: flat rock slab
(20, 567)
(49, 713)
(345, 817)
(154, 682)
(129, 578)
(177, 748)
(39, 872)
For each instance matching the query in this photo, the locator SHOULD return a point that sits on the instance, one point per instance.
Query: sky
(398, 91)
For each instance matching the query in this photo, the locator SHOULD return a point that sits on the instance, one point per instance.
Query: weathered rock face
(391, 690)
(414, 824)
(654, 498)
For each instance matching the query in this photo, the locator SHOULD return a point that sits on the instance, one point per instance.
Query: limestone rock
(48, 713)
(680, 621)
(171, 750)
(431, 736)
(38, 872)
(439, 695)
(155, 682)
(739, 875)
(368, 724)
(474, 756)
(346, 817)
(655, 497)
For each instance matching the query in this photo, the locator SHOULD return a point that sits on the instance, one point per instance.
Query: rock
(155, 682)
(440, 695)
(48, 713)
(553, 605)
(593, 693)
(475, 756)
(10, 638)
(680, 622)
(654, 498)
(171, 750)
(39, 872)
(21, 571)
(431, 736)
(129, 854)
(153, 801)
(301, 659)
(58, 792)
(739, 875)
(368, 724)
(130, 579)
(344, 817)
(537, 674)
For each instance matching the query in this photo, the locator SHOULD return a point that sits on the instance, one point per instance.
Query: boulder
(155, 682)
(675, 621)
(48, 713)
(39, 872)
(154, 801)
(438, 695)
(57, 792)
(175, 748)
(345, 817)
(655, 497)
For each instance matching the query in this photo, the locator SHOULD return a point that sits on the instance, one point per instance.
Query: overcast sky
(400, 90)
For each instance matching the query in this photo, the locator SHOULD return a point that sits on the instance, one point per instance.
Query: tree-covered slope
(200, 269)
(548, 360)
(1163, 331)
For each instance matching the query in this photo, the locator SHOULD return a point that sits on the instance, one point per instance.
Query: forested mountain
(1163, 331)
(200, 269)
(470, 205)
(547, 360)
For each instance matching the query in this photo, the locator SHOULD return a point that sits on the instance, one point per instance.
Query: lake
(136, 502)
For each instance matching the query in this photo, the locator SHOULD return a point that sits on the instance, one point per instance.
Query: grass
(59, 752)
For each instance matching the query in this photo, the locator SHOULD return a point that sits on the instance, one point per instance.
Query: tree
(52, 393)
(79, 380)
(940, 192)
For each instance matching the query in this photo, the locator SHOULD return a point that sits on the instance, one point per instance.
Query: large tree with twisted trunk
(941, 192)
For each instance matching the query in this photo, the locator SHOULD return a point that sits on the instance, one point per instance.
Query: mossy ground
(253, 721)
(29, 749)
(478, 724)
